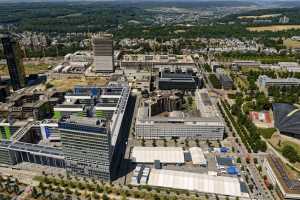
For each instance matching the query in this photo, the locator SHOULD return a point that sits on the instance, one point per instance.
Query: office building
(284, 20)
(36, 105)
(12, 53)
(264, 82)
(86, 146)
(238, 64)
(179, 81)
(141, 61)
(214, 66)
(103, 53)
(93, 144)
(61, 142)
(224, 79)
(170, 122)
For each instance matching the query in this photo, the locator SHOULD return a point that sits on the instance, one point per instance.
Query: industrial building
(278, 176)
(264, 82)
(198, 157)
(158, 120)
(75, 63)
(221, 185)
(103, 53)
(170, 155)
(12, 53)
(286, 119)
(224, 162)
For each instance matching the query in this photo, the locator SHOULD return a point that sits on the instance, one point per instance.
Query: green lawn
(293, 144)
(266, 132)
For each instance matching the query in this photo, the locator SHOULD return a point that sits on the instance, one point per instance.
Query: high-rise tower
(13, 57)
(103, 52)
(86, 146)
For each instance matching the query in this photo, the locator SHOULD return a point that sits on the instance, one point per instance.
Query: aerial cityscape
(155, 100)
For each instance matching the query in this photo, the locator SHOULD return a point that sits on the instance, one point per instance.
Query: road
(260, 191)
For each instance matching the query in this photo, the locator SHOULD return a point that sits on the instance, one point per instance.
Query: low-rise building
(278, 176)
(264, 82)
(221, 185)
(170, 155)
(225, 80)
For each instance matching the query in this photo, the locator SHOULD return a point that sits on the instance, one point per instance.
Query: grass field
(260, 16)
(267, 133)
(248, 69)
(291, 43)
(242, 82)
(278, 142)
(69, 83)
(29, 69)
(273, 28)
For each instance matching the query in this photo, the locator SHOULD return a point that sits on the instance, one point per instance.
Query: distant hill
(292, 13)
(199, 3)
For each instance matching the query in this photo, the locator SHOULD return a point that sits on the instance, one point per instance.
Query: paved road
(254, 174)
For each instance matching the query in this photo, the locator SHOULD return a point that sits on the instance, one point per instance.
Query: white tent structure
(174, 155)
(229, 186)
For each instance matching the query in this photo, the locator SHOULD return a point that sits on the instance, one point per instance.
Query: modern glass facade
(87, 149)
(16, 70)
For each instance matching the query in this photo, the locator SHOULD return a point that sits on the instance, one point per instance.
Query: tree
(34, 193)
(105, 197)
(255, 160)
(270, 186)
(99, 189)
(259, 168)
(77, 193)
(95, 195)
(290, 153)
(68, 191)
(206, 196)
(238, 160)
(60, 196)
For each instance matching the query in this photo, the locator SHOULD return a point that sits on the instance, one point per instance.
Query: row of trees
(248, 131)
(290, 153)
(264, 58)
(60, 187)
(240, 130)
(9, 187)
(215, 81)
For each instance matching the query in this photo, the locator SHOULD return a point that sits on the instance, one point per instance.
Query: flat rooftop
(158, 58)
(88, 121)
(163, 154)
(229, 186)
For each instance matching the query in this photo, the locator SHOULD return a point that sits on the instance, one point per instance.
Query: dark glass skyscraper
(13, 57)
